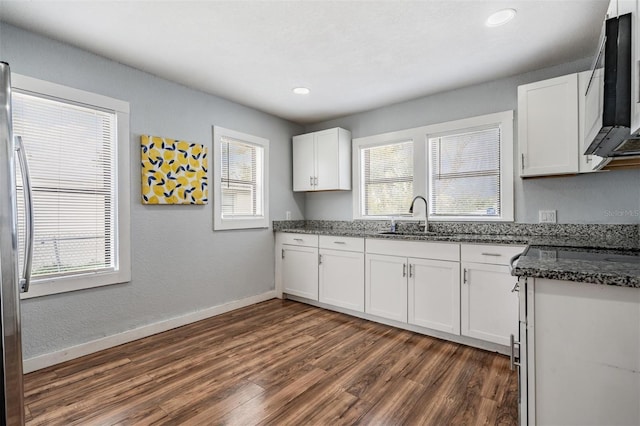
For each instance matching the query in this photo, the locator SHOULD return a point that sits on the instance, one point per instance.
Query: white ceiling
(353, 55)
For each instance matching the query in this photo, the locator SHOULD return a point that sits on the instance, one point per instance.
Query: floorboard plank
(277, 363)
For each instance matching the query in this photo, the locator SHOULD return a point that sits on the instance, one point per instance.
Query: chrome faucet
(426, 208)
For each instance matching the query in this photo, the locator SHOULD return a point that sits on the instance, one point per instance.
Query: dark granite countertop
(588, 265)
(431, 236)
(598, 255)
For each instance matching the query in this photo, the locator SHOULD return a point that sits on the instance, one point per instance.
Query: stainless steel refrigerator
(13, 279)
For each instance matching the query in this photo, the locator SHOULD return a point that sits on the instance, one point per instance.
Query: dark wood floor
(280, 363)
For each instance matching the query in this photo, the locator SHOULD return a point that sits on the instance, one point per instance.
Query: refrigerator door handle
(25, 280)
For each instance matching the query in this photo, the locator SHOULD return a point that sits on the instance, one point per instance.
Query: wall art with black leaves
(173, 171)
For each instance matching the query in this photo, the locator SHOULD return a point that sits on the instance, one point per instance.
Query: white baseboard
(46, 360)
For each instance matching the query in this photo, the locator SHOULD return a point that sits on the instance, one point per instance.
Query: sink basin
(413, 234)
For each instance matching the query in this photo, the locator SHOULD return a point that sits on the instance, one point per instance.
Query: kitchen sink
(413, 234)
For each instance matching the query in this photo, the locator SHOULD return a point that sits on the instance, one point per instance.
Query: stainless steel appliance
(613, 61)
(12, 281)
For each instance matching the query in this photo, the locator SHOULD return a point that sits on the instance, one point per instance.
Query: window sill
(247, 223)
(59, 285)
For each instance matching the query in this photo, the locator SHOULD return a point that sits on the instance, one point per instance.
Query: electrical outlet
(547, 216)
(288, 215)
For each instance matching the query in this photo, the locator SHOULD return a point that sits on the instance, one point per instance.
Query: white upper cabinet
(590, 116)
(557, 121)
(322, 160)
(548, 127)
(304, 162)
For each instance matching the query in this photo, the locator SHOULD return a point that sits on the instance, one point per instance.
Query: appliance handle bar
(512, 355)
(25, 280)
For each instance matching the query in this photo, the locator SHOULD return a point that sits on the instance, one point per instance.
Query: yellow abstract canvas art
(173, 171)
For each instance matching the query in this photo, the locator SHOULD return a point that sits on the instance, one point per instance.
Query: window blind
(71, 151)
(387, 179)
(241, 178)
(465, 174)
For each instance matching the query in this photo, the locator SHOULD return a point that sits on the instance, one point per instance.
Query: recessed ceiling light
(500, 17)
(301, 91)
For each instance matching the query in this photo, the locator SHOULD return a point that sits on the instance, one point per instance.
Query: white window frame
(504, 120)
(420, 137)
(122, 272)
(246, 222)
(359, 144)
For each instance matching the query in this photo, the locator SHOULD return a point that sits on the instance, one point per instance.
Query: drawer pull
(298, 239)
(339, 242)
(492, 254)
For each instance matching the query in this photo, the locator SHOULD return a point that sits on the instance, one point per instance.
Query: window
(241, 184)
(463, 167)
(471, 170)
(80, 180)
(387, 179)
(465, 174)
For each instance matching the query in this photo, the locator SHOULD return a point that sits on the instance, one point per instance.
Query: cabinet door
(303, 162)
(386, 286)
(489, 309)
(342, 279)
(300, 271)
(327, 160)
(548, 126)
(434, 294)
(590, 116)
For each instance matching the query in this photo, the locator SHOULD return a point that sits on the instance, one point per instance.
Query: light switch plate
(547, 216)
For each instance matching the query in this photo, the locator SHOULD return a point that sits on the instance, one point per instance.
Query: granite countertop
(431, 236)
(595, 266)
(598, 255)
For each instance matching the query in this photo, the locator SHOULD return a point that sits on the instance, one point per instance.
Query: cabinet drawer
(341, 243)
(419, 249)
(307, 240)
(486, 253)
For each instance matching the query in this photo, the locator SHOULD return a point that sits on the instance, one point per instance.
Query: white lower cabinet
(420, 291)
(489, 309)
(386, 286)
(458, 289)
(298, 267)
(300, 271)
(341, 275)
(434, 294)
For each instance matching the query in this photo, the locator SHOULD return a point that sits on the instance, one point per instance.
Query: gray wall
(611, 197)
(179, 264)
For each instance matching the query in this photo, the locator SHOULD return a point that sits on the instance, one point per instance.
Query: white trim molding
(53, 358)
(419, 136)
(262, 197)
